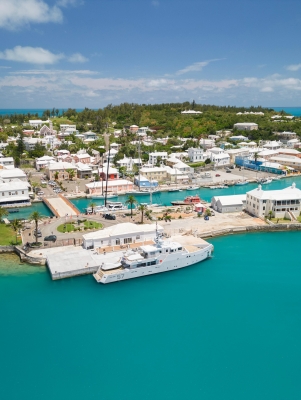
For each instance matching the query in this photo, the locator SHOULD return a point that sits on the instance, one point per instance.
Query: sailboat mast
(108, 163)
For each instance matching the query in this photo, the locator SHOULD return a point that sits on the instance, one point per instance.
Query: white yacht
(116, 206)
(162, 256)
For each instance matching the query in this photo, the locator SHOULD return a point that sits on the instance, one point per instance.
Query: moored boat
(192, 188)
(187, 201)
(163, 256)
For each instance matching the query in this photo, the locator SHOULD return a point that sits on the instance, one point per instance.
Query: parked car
(228, 170)
(37, 234)
(40, 193)
(50, 238)
(110, 216)
(44, 182)
(217, 174)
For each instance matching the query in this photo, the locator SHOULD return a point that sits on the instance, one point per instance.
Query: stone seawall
(246, 229)
(7, 249)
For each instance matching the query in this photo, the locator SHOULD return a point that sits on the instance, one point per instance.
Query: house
(285, 136)
(30, 143)
(232, 203)
(14, 193)
(114, 186)
(245, 126)
(157, 156)
(83, 158)
(64, 127)
(62, 152)
(239, 138)
(175, 175)
(196, 154)
(134, 128)
(121, 234)
(44, 161)
(28, 132)
(154, 173)
(207, 143)
(60, 170)
(129, 162)
(141, 181)
(37, 123)
(109, 155)
(277, 203)
(242, 152)
(273, 145)
(290, 152)
(7, 162)
(83, 170)
(293, 143)
(218, 156)
(90, 135)
(46, 131)
(267, 154)
(108, 173)
(13, 174)
(143, 131)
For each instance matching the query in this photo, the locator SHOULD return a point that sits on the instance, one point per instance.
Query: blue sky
(89, 53)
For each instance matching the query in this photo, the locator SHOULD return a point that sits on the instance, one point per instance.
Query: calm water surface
(227, 328)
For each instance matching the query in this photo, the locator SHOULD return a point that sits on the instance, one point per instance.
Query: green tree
(36, 217)
(3, 213)
(16, 225)
(56, 175)
(142, 208)
(207, 161)
(92, 205)
(131, 200)
(71, 173)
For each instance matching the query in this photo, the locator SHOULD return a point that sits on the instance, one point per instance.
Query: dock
(61, 206)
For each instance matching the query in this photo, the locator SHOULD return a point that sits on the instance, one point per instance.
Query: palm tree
(56, 175)
(71, 173)
(270, 214)
(92, 205)
(256, 157)
(16, 224)
(142, 208)
(34, 185)
(131, 200)
(36, 217)
(3, 213)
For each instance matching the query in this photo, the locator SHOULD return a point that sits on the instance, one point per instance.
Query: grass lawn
(69, 227)
(7, 235)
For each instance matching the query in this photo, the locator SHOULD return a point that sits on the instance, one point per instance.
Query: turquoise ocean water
(228, 328)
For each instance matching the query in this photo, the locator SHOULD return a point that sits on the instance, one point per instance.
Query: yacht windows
(180, 248)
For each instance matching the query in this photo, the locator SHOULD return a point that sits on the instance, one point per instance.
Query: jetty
(61, 206)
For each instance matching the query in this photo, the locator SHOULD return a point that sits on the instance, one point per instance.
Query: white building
(192, 112)
(64, 127)
(129, 162)
(196, 154)
(245, 126)
(273, 145)
(290, 161)
(14, 193)
(13, 174)
(153, 157)
(279, 203)
(7, 162)
(218, 156)
(37, 123)
(121, 235)
(239, 138)
(225, 204)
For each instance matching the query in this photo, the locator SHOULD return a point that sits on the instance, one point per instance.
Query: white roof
(116, 182)
(230, 200)
(267, 153)
(288, 151)
(284, 158)
(290, 193)
(122, 229)
(152, 169)
(16, 184)
(12, 173)
(245, 124)
(61, 165)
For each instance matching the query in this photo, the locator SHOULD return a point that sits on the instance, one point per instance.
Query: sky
(91, 53)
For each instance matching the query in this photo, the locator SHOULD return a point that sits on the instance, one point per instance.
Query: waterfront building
(154, 173)
(129, 162)
(227, 204)
(218, 156)
(290, 152)
(233, 153)
(13, 174)
(83, 170)
(143, 182)
(283, 203)
(114, 186)
(286, 160)
(121, 235)
(245, 126)
(14, 193)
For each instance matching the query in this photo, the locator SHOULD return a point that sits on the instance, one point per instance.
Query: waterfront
(206, 194)
(227, 328)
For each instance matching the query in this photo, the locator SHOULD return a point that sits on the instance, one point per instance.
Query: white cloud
(15, 13)
(155, 3)
(38, 55)
(32, 55)
(66, 3)
(293, 67)
(198, 66)
(77, 58)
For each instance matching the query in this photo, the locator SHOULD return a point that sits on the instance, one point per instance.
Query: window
(138, 237)
(117, 242)
(127, 240)
(22, 191)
